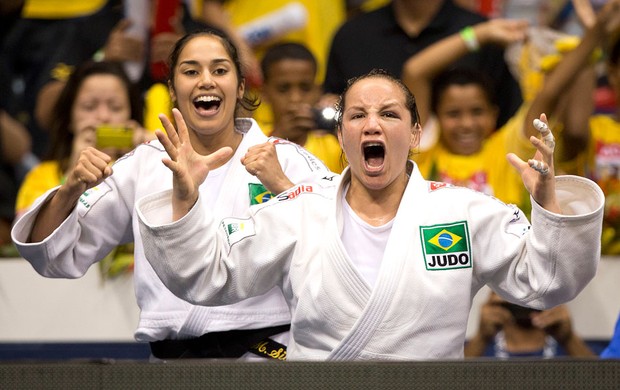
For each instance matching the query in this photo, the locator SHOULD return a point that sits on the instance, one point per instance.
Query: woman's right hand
(189, 168)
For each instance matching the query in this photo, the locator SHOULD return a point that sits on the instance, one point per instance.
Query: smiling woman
(207, 87)
(382, 257)
(74, 226)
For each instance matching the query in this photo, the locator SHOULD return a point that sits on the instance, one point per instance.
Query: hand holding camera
(556, 322)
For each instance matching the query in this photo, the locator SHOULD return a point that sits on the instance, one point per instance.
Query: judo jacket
(104, 218)
(446, 242)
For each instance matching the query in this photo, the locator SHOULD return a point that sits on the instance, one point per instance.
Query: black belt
(229, 344)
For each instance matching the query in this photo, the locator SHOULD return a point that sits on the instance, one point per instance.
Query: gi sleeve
(559, 255)
(206, 262)
(100, 221)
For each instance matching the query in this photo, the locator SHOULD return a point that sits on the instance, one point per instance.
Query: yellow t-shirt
(41, 178)
(60, 9)
(327, 149)
(487, 171)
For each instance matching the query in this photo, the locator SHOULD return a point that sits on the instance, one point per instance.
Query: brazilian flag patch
(258, 193)
(446, 246)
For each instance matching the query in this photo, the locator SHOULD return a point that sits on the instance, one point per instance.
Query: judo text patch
(446, 246)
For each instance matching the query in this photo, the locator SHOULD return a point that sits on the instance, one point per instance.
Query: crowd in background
(69, 72)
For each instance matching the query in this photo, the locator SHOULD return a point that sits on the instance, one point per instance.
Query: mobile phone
(521, 314)
(112, 136)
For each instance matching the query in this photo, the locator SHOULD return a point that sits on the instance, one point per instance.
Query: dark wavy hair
(60, 128)
(248, 102)
(380, 73)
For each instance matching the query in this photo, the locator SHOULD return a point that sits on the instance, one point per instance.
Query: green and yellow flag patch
(258, 193)
(446, 246)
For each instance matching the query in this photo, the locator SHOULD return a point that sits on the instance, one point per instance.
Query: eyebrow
(389, 104)
(213, 62)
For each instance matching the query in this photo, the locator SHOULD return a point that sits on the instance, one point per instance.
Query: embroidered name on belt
(446, 246)
(270, 349)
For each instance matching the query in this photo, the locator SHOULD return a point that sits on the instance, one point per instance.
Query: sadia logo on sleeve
(446, 246)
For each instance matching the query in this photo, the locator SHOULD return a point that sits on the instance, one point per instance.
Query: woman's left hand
(262, 161)
(538, 174)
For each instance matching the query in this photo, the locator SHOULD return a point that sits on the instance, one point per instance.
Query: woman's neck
(207, 144)
(376, 207)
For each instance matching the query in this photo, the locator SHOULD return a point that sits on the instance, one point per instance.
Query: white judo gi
(445, 244)
(105, 217)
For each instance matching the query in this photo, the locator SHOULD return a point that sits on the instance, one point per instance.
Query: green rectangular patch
(446, 246)
(258, 193)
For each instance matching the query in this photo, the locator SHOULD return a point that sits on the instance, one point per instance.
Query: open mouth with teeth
(207, 104)
(374, 154)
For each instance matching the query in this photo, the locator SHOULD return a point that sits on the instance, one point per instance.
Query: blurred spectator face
(289, 86)
(101, 99)
(466, 118)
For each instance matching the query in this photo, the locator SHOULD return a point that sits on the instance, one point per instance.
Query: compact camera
(325, 118)
(111, 136)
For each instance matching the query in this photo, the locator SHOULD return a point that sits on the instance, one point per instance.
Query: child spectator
(469, 152)
(290, 88)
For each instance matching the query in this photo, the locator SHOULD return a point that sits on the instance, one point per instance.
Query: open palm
(540, 182)
(189, 168)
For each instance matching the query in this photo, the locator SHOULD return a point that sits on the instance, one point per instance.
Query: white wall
(37, 309)
(89, 309)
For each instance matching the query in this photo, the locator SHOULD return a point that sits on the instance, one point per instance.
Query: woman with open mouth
(76, 224)
(385, 267)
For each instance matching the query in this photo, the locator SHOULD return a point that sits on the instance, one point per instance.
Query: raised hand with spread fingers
(189, 168)
(538, 173)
